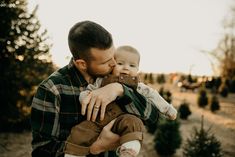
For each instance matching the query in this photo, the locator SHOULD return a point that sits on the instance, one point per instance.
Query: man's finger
(84, 107)
(90, 108)
(96, 109)
(102, 111)
(85, 102)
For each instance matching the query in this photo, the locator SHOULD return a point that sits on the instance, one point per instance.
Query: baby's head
(127, 59)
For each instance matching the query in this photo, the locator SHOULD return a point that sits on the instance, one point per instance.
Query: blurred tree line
(24, 62)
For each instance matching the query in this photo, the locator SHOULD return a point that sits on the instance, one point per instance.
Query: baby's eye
(132, 65)
(119, 63)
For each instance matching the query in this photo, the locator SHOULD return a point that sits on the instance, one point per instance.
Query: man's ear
(81, 64)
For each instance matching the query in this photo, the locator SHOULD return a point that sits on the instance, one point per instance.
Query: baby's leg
(81, 138)
(107, 140)
(131, 129)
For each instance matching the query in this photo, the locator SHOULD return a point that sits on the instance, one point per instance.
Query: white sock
(134, 145)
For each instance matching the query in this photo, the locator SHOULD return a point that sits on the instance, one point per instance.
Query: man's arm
(136, 103)
(45, 124)
(106, 141)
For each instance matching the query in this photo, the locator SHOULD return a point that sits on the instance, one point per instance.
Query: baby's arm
(163, 106)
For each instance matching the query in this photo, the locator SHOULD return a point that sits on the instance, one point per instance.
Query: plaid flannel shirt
(56, 109)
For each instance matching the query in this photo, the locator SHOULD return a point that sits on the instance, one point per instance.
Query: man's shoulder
(57, 77)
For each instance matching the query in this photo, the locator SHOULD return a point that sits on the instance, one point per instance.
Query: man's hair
(129, 49)
(86, 35)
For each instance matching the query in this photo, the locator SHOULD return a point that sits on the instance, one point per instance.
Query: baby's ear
(81, 64)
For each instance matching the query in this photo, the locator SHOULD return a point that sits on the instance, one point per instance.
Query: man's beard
(94, 74)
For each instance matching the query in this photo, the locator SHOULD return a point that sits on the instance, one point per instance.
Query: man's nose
(112, 63)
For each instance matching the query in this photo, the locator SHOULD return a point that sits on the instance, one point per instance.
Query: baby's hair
(129, 49)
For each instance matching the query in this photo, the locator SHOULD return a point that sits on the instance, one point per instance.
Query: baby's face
(127, 63)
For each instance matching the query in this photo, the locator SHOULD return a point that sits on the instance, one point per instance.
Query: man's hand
(100, 98)
(106, 141)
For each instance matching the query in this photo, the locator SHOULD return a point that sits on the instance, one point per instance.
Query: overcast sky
(169, 34)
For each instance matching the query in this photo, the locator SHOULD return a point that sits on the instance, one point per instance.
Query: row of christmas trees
(167, 137)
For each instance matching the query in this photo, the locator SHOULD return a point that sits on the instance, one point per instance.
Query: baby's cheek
(115, 72)
(132, 73)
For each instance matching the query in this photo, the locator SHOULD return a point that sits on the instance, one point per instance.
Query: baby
(127, 124)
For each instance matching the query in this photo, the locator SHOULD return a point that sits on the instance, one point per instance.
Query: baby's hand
(84, 99)
(171, 113)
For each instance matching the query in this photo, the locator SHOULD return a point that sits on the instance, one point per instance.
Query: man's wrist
(119, 88)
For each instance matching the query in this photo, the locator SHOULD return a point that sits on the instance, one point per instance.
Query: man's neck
(86, 76)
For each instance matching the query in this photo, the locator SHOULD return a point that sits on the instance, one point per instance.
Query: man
(56, 108)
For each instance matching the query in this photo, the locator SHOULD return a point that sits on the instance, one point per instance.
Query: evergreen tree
(167, 138)
(161, 91)
(24, 59)
(184, 110)
(232, 86)
(202, 98)
(223, 90)
(166, 94)
(151, 81)
(190, 79)
(161, 79)
(146, 78)
(214, 105)
(202, 144)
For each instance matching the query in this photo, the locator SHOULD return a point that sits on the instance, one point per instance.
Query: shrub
(184, 110)
(167, 138)
(151, 126)
(166, 94)
(223, 90)
(161, 79)
(214, 105)
(202, 98)
(232, 86)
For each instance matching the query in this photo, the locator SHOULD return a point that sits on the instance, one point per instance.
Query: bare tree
(224, 53)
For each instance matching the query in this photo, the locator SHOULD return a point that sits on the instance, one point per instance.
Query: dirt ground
(222, 123)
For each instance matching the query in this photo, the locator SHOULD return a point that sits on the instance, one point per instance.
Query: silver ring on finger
(96, 107)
